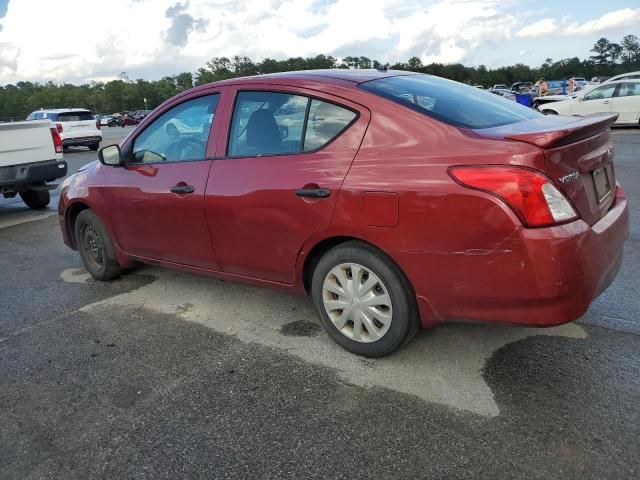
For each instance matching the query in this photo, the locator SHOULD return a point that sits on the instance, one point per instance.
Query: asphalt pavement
(162, 374)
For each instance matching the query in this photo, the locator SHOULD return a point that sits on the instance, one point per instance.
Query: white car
(621, 97)
(104, 120)
(624, 76)
(30, 158)
(77, 126)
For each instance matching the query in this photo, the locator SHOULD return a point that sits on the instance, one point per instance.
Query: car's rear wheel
(96, 248)
(364, 301)
(94, 146)
(36, 199)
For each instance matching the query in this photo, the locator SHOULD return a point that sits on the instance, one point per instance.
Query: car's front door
(157, 197)
(277, 182)
(626, 103)
(597, 100)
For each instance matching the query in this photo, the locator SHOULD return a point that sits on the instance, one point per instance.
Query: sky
(78, 41)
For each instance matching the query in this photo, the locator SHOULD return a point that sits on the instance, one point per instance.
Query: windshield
(450, 102)
(75, 116)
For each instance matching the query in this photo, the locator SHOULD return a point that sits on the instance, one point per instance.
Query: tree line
(123, 94)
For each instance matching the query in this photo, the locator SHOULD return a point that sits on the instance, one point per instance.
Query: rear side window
(74, 116)
(267, 123)
(273, 123)
(451, 102)
(325, 122)
(629, 90)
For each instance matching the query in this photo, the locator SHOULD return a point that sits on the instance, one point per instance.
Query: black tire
(36, 199)
(405, 321)
(550, 112)
(94, 146)
(96, 248)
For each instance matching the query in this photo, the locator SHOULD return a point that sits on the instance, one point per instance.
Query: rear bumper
(17, 176)
(81, 141)
(538, 277)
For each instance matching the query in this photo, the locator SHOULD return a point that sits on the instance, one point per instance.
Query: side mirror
(110, 155)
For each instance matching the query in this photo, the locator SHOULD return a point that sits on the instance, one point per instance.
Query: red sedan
(396, 200)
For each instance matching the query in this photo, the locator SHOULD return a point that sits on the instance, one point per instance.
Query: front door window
(179, 134)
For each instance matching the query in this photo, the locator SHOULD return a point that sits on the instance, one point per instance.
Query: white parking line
(442, 365)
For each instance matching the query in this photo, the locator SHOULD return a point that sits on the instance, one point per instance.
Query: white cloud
(611, 21)
(90, 39)
(540, 28)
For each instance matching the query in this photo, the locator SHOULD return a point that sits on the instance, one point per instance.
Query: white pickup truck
(30, 158)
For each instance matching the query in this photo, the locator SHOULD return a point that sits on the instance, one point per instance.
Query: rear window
(75, 116)
(450, 102)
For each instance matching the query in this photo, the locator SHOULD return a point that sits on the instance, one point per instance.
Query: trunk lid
(77, 124)
(578, 157)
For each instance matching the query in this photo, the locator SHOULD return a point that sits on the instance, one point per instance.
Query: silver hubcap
(357, 302)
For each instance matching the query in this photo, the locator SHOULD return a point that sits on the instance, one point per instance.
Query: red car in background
(397, 200)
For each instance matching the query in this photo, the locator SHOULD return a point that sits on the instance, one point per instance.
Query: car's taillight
(529, 193)
(59, 127)
(57, 141)
(98, 124)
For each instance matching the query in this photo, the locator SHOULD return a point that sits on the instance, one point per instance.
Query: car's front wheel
(364, 301)
(96, 248)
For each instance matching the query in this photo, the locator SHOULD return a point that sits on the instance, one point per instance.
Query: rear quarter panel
(442, 228)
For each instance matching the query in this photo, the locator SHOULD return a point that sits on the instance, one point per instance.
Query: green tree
(615, 50)
(601, 49)
(631, 49)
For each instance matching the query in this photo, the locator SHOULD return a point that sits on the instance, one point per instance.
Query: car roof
(62, 110)
(354, 76)
(624, 80)
(621, 76)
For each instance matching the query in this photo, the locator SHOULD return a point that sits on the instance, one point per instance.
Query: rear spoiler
(553, 131)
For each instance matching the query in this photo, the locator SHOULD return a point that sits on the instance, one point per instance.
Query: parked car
(625, 76)
(76, 126)
(115, 120)
(30, 158)
(105, 120)
(521, 87)
(128, 119)
(621, 97)
(500, 86)
(502, 92)
(396, 200)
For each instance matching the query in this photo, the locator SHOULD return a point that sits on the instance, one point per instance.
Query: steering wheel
(187, 148)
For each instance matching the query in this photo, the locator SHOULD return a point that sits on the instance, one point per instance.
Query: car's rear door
(156, 201)
(596, 101)
(276, 179)
(626, 103)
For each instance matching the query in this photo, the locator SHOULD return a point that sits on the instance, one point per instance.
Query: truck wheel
(94, 146)
(364, 301)
(96, 248)
(36, 199)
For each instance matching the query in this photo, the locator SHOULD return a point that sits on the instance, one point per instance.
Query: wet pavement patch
(300, 328)
(580, 399)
